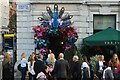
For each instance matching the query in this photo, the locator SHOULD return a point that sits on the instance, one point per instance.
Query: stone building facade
(4, 18)
(84, 14)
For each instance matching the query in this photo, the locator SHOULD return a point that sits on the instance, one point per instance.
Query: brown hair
(32, 58)
(85, 59)
(116, 62)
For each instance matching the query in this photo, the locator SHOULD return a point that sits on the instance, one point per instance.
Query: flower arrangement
(55, 25)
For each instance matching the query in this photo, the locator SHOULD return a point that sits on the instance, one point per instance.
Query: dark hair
(44, 68)
(105, 64)
(85, 59)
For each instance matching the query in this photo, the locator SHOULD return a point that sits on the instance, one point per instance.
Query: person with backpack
(24, 66)
(85, 69)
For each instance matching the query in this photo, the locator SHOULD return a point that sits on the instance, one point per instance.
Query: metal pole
(116, 49)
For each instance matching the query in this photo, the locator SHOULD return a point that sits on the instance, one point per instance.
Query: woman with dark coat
(7, 67)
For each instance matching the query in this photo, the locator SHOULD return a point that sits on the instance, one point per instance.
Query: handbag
(19, 67)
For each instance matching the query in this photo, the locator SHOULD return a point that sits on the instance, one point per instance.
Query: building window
(101, 22)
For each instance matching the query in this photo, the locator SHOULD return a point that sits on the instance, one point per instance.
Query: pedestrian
(61, 68)
(43, 74)
(33, 54)
(75, 69)
(31, 71)
(50, 72)
(7, 67)
(99, 67)
(116, 67)
(24, 66)
(107, 73)
(38, 65)
(85, 69)
(115, 60)
(51, 59)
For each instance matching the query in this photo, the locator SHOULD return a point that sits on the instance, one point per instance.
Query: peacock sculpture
(55, 31)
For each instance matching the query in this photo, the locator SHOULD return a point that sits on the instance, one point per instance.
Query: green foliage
(78, 53)
(84, 50)
(69, 54)
(93, 61)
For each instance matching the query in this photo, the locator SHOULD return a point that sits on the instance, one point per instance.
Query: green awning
(106, 37)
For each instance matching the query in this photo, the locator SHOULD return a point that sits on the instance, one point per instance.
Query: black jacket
(61, 69)
(38, 66)
(76, 70)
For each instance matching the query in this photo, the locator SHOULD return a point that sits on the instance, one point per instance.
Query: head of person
(50, 68)
(34, 54)
(116, 62)
(51, 57)
(50, 51)
(23, 55)
(45, 69)
(75, 58)
(32, 58)
(110, 63)
(106, 64)
(115, 57)
(40, 56)
(61, 55)
(101, 57)
(85, 59)
(8, 56)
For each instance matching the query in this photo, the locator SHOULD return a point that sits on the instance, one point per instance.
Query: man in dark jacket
(75, 69)
(61, 68)
(38, 65)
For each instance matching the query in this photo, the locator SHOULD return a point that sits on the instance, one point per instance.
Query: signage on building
(112, 42)
(23, 7)
(8, 40)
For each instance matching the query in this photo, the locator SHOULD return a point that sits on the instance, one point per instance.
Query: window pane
(104, 21)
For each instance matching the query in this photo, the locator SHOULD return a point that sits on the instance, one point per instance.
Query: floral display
(55, 27)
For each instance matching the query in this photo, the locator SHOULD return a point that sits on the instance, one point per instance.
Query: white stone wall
(25, 35)
(82, 12)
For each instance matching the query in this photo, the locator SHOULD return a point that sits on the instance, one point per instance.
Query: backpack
(85, 72)
(19, 67)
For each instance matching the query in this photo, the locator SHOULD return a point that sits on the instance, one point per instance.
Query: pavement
(17, 76)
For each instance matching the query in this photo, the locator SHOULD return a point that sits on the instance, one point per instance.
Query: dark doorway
(56, 45)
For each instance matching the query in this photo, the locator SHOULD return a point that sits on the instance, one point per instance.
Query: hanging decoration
(54, 24)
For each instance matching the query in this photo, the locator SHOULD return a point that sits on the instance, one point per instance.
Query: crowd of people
(51, 68)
